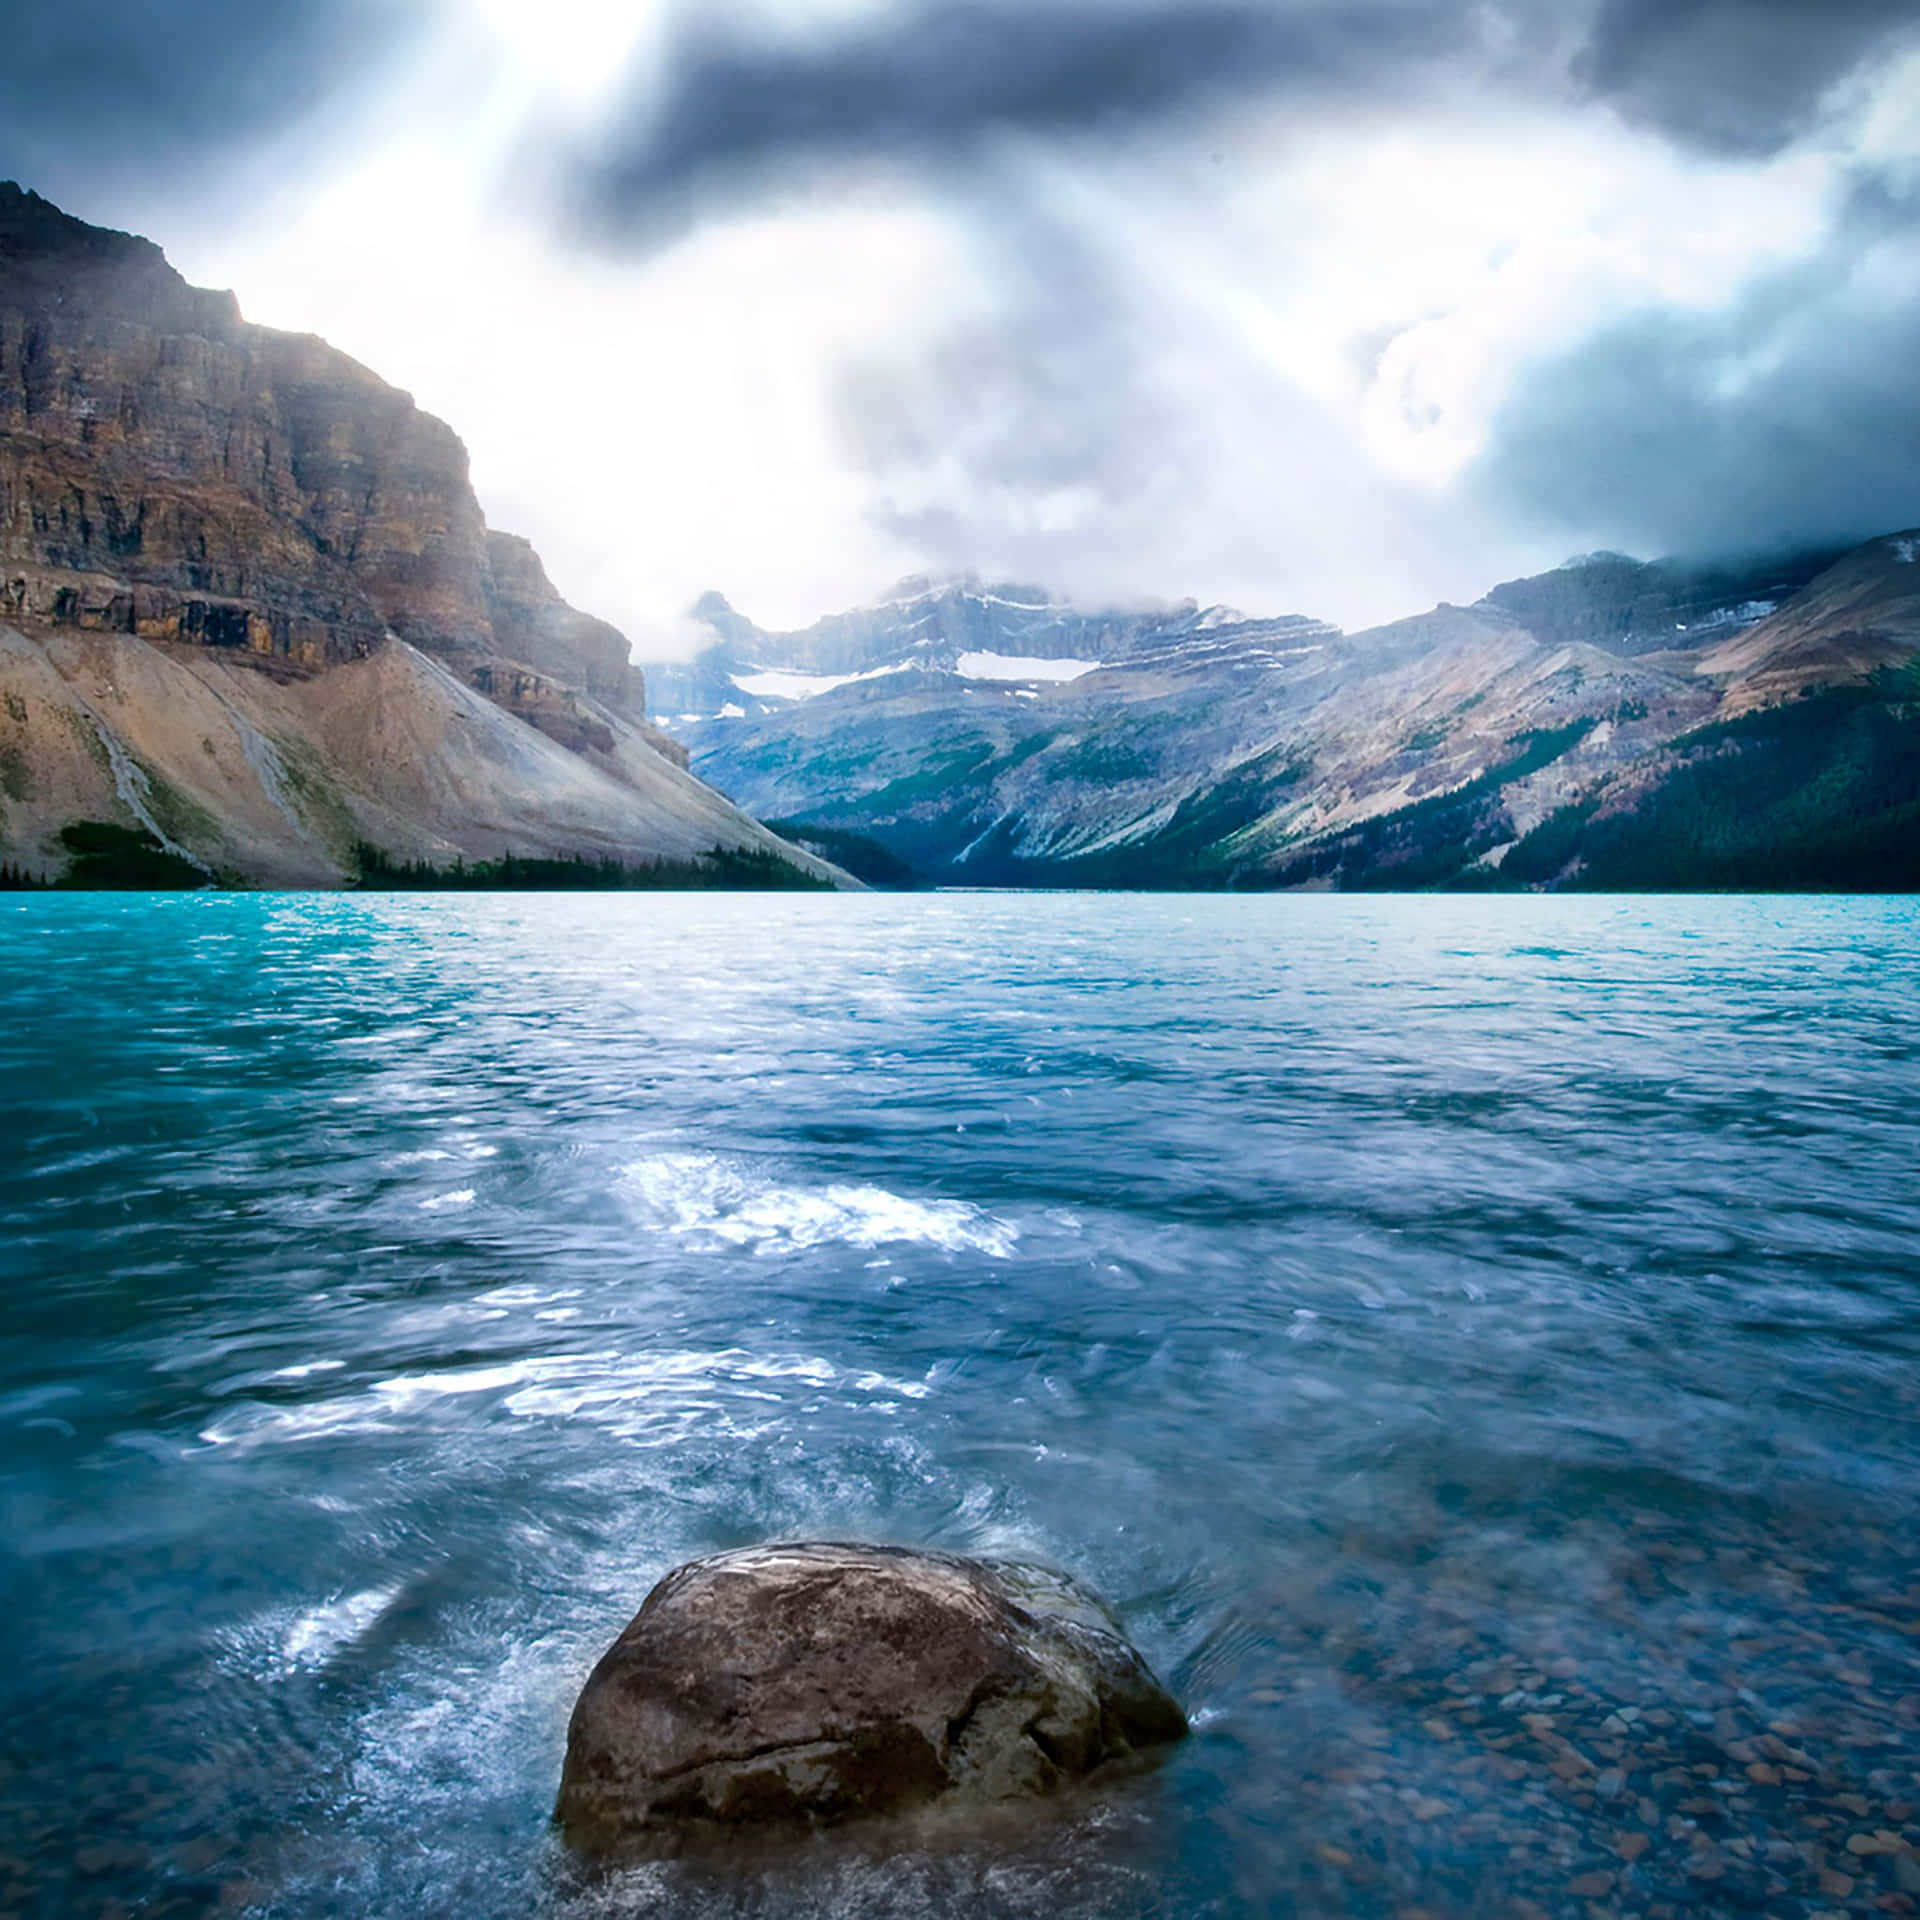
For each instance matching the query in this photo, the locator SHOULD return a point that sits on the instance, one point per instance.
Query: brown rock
(817, 1683)
(531, 622)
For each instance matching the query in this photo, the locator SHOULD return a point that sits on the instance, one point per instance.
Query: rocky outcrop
(531, 622)
(169, 471)
(810, 1684)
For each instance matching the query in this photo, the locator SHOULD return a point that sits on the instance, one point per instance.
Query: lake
(1471, 1342)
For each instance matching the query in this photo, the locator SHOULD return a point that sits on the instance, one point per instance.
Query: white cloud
(1255, 371)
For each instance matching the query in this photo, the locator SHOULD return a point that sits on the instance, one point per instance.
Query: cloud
(1335, 305)
(733, 108)
(727, 112)
(1079, 413)
(1789, 415)
(96, 95)
(1741, 77)
(1087, 413)
(1046, 384)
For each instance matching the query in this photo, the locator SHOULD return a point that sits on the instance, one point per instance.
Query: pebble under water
(1471, 1342)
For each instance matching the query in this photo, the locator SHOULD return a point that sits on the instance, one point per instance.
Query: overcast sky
(1331, 306)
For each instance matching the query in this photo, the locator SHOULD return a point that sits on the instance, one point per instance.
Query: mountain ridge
(952, 618)
(1288, 753)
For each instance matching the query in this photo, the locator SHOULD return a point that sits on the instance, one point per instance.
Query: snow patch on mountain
(773, 684)
(1013, 666)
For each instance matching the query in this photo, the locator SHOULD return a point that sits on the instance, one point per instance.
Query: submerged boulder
(808, 1684)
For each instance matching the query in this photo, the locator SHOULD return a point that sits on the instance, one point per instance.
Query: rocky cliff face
(169, 471)
(1633, 606)
(250, 607)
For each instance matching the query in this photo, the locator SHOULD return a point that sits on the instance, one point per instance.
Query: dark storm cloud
(732, 112)
(1733, 76)
(1790, 417)
(931, 82)
(99, 93)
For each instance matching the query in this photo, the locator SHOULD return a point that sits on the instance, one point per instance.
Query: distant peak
(916, 586)
(1604, 557)
(1216, 616)
(31, 225)
(711, 606)
(926, 586)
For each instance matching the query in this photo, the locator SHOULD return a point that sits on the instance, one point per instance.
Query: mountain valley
(255, 630)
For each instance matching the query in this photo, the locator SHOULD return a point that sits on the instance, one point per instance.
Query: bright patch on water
(719, 1202)
(316, 1636)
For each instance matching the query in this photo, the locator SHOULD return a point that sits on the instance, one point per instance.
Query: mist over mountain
(1349, 308)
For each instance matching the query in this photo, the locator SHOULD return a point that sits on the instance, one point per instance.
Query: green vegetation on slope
(1819, 795)
(1432, 842)
(856, 853)
(736, 869)
(106, 857)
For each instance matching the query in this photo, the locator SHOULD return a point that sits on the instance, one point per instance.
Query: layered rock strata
(169, 471)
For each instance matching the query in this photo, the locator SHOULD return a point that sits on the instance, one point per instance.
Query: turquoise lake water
(1471, 1342)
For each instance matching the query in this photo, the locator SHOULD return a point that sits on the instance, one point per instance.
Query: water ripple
(1472, 1342)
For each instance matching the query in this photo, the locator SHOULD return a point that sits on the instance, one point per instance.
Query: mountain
(1629, 606)
(1614, 722)
(253, 619)
(993, 634)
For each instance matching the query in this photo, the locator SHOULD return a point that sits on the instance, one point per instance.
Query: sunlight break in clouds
(1279, 342)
